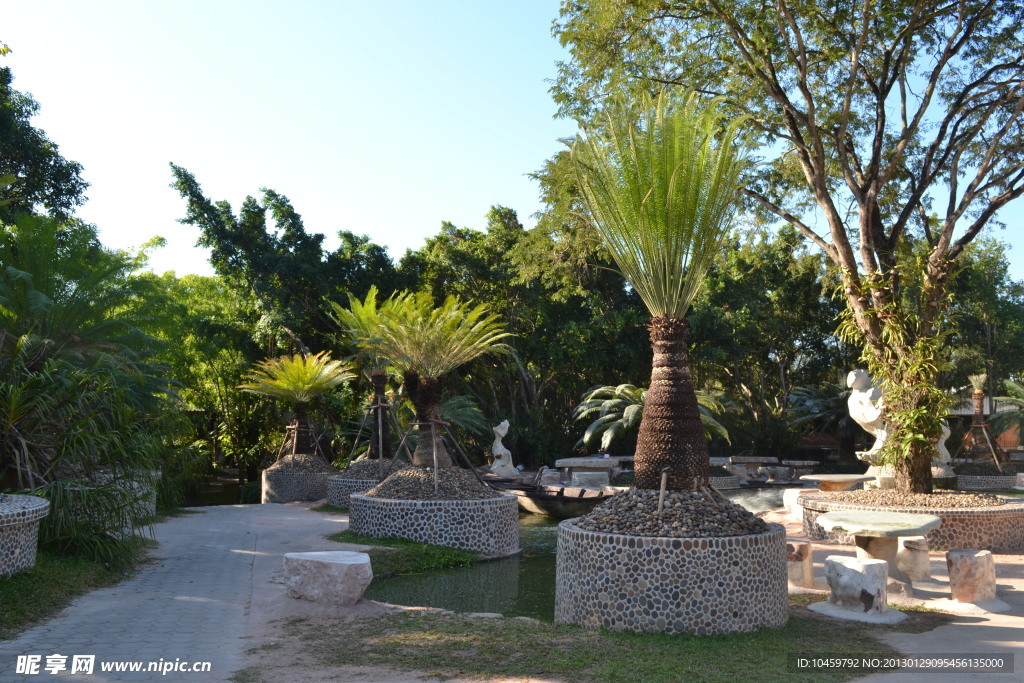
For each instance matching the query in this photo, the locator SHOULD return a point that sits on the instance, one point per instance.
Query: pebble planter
(19, 531)
(489, 526)
(993, 483)
(999, 529)
(340, 488)
(287, 486)
(703, 586)
(722, 483)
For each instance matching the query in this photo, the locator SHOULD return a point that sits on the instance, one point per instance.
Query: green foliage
(1005, 420)
(402, 556)
(616, 412)
(660, 178)
(297, 379)
(35, 174)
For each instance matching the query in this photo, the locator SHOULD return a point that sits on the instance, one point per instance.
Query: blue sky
(383, 120)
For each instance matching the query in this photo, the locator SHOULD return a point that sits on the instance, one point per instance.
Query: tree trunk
(914, 474)
(380, 439)
(671, 434)
(426, 399)
(303, 438)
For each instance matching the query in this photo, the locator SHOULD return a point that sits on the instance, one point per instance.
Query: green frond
(978, 381)
(660, 178)
(297, 379)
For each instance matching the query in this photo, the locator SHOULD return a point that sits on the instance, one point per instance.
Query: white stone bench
(337, 577)
(857, 591)
(972, 575)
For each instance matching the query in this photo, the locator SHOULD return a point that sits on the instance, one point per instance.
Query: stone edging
(730, 482)
(339, 488)
(489, 526)
(19, 531)
(999, 529)
(704, 586)
(976, 483)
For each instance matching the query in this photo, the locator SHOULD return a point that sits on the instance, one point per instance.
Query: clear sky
(381, 119)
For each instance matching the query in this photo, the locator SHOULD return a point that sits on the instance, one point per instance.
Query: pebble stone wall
(973, 483)
(703, 586)
(721, 483)
(998, 529)
(283, 486)
(489, 526)
(340, 488)
(19, 531)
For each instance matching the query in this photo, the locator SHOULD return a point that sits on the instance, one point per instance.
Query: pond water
(523, 585)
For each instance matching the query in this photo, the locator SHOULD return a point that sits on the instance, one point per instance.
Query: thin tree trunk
(380, 440)
(303, 440)
(671, 434)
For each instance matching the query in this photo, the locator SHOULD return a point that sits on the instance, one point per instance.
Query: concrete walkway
(193, 604)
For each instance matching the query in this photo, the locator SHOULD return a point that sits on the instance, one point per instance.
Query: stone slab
(891, 616)
(972, 575)
(338, 577)
(878, 524)
(857, 584)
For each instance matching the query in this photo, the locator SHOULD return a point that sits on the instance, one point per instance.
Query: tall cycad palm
(426, 343)
(360, 322)
(660, 179)
(298, 380)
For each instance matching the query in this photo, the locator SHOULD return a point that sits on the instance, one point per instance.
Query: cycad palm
(1008, 419)
(298, 380)
(661, 191)
(426, 343)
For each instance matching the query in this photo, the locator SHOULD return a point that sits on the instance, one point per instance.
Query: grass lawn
(393, 556)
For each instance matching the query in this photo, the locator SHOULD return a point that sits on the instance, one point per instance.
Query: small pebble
(904, 499)
(377, 469)
(303, 462)
(417, 483)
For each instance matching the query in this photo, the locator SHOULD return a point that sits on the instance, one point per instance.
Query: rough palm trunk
(425, 394)
(671, 433)
(380, 442)
(303, 442)
(914, 474)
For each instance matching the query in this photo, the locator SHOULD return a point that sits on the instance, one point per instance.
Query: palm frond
(660, 179)
(297, 379)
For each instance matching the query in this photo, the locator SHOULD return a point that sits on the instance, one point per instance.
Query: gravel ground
(303, 462)
(373, 469)
(894, 498)
(416, 483)
(687, 514)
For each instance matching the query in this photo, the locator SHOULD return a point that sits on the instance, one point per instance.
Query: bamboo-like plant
(616, 412)
(298, 380)
(660, 178)
(426, 342)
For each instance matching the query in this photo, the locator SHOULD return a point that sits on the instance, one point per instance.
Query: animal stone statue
(502, 465)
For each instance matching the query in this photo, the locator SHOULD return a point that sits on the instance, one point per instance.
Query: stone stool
(857, 584)
(912, 558)
(590, 478)
(972, 575)
(338, 577)
(799, 565)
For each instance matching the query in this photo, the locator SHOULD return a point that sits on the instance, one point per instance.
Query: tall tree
(889, 121)
(660, 179)
(33, 174)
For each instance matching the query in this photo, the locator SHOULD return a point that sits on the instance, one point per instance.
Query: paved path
(192, 605)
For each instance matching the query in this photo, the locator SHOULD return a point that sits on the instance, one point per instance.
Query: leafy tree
(660, 190)
(36, 175)
(884, 123)
(1009, 419)
(823, 407)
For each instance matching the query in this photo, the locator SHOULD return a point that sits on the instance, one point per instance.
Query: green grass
(34, 594)
(394, 556)
(329, 509)
(445, 645)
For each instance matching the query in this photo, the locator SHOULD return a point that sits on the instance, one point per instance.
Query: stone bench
(857, 591)
(972, 575)
(338, 577)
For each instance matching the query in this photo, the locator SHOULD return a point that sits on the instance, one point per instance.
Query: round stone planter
(19, 531)
(973, 483)
(287, 486)
(703, 586)
(998, 529)
(339, 489)
(732, 482)
(489, 526)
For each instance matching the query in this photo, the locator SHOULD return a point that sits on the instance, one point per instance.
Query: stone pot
(703, 586)
(19, 531)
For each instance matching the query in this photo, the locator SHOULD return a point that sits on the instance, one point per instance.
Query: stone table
(801, 466)
(877, 533)
(753, 463)
(608, 463)
(836, 482)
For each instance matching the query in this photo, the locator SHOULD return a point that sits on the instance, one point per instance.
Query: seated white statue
(865, 405)
(502, 465)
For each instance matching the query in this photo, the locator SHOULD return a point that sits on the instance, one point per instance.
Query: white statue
(502, 465)
(865, 404)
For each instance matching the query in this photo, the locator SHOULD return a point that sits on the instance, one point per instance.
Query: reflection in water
(523, 585)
